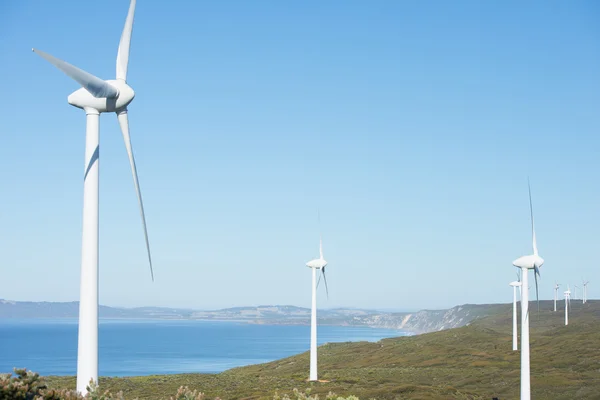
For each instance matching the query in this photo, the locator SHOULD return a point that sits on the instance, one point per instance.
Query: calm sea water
(145, 347)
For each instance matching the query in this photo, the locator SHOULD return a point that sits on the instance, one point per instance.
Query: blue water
(146, 347)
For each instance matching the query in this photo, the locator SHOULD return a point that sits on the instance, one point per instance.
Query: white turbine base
(566, 310)
(87, 347)
(313, 329)
(515, 346)
(525, 372)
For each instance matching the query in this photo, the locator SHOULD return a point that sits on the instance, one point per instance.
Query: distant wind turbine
(556, 285)
(515, 284)
(567, 301)
(576, 287)
(585, 291)
(526, 263)
(94, 97)
(316, 264)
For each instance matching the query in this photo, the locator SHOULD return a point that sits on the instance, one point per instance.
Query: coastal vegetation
(471, 362)
(27, 385)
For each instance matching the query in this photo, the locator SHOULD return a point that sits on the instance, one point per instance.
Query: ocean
(147, 347)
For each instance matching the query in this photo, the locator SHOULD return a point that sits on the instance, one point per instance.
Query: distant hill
(44, 309)
(417, 322)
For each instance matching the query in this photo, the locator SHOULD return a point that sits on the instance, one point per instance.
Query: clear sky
(411, 125)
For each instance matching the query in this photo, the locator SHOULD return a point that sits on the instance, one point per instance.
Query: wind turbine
(316, 264)
(94, 97)
(515, 284)
(577, 287)
(585, 291)
(556, 285)
(567, 301)
(525, 263)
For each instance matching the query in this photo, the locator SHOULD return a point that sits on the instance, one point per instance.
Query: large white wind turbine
(567, 301)
(525, 263)
(556, 286)
(515, 284)
(318, 263)
(585, 291)
(94, 97)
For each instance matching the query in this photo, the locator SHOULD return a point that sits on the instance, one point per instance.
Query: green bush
(27, 385)
(298, 395)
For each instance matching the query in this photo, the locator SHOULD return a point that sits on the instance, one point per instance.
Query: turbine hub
(81, 98)
(529, 262)
(317, 263)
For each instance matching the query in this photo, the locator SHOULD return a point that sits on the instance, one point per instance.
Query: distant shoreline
(238, 321)
(423, 321)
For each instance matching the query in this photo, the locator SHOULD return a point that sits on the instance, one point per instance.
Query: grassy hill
(471, 362)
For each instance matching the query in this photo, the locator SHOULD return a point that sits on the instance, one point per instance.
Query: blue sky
(411, 126)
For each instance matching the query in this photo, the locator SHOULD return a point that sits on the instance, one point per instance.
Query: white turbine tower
(525, 263)
(318, 263)
(585, 291)
(576, 287)
(567, 301)
(556, 286)
(94, 97)
(515, 284)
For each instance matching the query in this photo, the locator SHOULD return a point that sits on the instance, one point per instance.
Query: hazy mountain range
(415, 322)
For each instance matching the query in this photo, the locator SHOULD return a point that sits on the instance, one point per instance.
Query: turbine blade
(536, 272)
(320, 247)
(519, 280)
(96, 86)
(325, 280)
(125, 43)
(320, 236)
(124, 122)
(535, 251)
(318, 281)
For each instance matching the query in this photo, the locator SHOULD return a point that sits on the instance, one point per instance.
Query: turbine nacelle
(83, 99)
(318, 263)
(529, 262)
(515, 283)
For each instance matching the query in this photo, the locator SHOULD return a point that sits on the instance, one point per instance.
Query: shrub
(298, 395)
(26, 385)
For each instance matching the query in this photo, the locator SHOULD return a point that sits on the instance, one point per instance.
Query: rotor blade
(325, 280)
(318, 281)
(320, 236)
(320, 247)
(536, 272)
(96, 86)
(124, 122)
(125, 43)
(535, 251)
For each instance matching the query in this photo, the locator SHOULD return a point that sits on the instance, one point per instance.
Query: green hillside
(471, 362)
